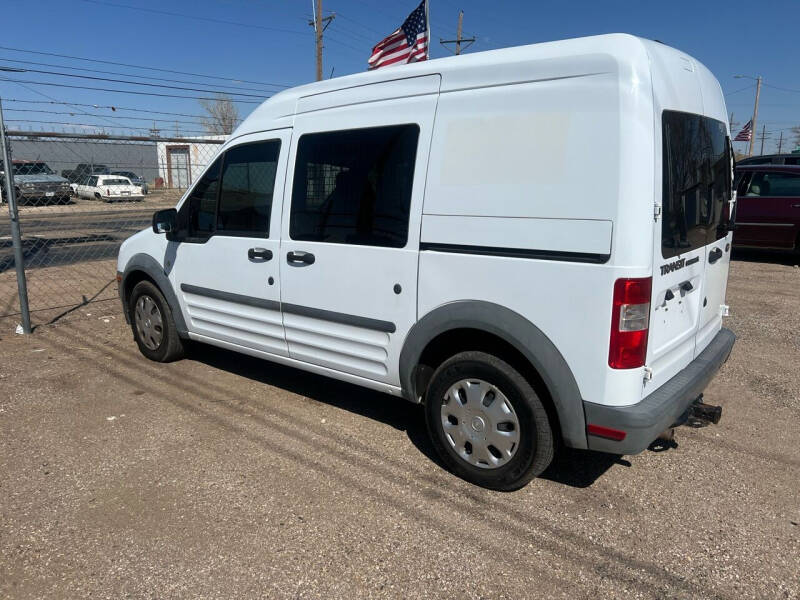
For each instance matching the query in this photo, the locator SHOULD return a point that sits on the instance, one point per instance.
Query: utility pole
(459, 39)
(319, 24)
(763, 135)
(458, 31)
(780, 143)
(16, 236)
(755, 117)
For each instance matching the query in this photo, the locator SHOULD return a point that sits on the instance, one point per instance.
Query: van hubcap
(480, 423)
(148, 321)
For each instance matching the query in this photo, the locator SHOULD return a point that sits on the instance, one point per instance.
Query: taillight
(630, 319)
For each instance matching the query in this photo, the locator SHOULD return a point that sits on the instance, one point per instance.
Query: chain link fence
(79, 196)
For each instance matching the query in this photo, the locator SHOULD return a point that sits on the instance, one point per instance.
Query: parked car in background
(768, 207)
(83, 169)
(135, 179)
(108, 188)
(771, 159)
(36, 183)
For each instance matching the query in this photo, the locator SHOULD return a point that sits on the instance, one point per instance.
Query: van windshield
(696, 182)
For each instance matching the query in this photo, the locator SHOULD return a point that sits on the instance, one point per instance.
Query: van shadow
(778, 257)
(574, 468)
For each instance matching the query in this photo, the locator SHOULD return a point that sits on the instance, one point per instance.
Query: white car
(533, 242)
(108, 188)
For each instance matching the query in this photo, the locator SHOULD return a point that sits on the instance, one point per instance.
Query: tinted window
(774, 184)
(32, 169)
(696, 180)
(248, 180)
(354, 187)
(201, 205)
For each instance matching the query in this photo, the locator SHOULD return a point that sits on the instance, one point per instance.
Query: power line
(360, 51)
(132, 66)
(367, 27)
(783, 89)
(749, 87)
(43, 95)
(128, 82)
(354, 35)
(398, 18)
(67, 113)
(196, 17)
(98, 106)
(99, 89)
(95, 125)
(40, 64)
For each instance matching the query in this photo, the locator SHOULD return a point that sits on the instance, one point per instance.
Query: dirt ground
(223, 476)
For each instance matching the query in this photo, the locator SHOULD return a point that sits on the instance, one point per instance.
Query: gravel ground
(222, 476)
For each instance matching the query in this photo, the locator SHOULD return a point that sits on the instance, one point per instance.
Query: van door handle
(259, 254)
(714, 255)
(795, 205)
(300, 258)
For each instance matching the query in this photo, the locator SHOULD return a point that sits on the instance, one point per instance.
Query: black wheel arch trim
(516, 330)
(150, 267)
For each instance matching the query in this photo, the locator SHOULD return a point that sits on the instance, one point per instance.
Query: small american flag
(407, 44)
(745, 134)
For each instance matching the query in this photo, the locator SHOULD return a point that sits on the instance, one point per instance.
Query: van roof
(559, 59)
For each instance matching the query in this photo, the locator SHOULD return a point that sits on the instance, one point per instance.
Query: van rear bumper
(644, 422)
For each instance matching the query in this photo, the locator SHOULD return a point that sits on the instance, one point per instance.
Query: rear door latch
(656, 211)
(648, 373)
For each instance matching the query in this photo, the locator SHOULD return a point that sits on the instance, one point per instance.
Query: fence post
(16, 237)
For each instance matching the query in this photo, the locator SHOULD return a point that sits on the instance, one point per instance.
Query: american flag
(745, 134)
(407, 44)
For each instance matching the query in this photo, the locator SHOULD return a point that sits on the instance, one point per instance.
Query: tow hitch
(706, 413)
(699, 414)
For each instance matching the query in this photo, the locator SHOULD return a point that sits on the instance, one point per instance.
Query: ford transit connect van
(533, 242)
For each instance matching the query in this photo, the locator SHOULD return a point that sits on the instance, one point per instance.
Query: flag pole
(428, 24)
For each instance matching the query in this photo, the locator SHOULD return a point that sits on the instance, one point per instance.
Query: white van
(534, 242)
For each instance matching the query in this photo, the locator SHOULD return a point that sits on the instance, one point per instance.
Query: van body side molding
(337, 317)
(515, 329)
(582, 257)
(231, 297)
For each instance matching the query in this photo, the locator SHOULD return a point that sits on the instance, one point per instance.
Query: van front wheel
(487, 423)
(153, 327)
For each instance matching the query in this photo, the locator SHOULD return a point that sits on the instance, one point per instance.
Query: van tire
(535, 448)
(159, 342)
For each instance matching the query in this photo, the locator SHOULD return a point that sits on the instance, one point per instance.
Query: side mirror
(165, 221)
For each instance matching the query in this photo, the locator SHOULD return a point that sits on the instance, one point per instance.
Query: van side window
(202, 203)
(354, 187)
(248, 180)
(774, 184)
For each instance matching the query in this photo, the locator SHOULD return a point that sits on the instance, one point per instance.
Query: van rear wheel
(153, 327)
(487, 423)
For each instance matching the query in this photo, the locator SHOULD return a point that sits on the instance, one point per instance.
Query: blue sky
(270, 42)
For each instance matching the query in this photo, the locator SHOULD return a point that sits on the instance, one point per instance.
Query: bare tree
(796, 134)
(223, 116)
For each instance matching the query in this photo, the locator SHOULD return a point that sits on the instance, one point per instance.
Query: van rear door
(691, 251)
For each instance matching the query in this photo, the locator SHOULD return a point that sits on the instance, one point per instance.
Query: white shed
(181, 161)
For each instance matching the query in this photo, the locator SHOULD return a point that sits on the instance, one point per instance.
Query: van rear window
(696, 182)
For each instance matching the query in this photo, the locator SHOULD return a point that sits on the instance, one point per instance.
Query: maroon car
(768, 207)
